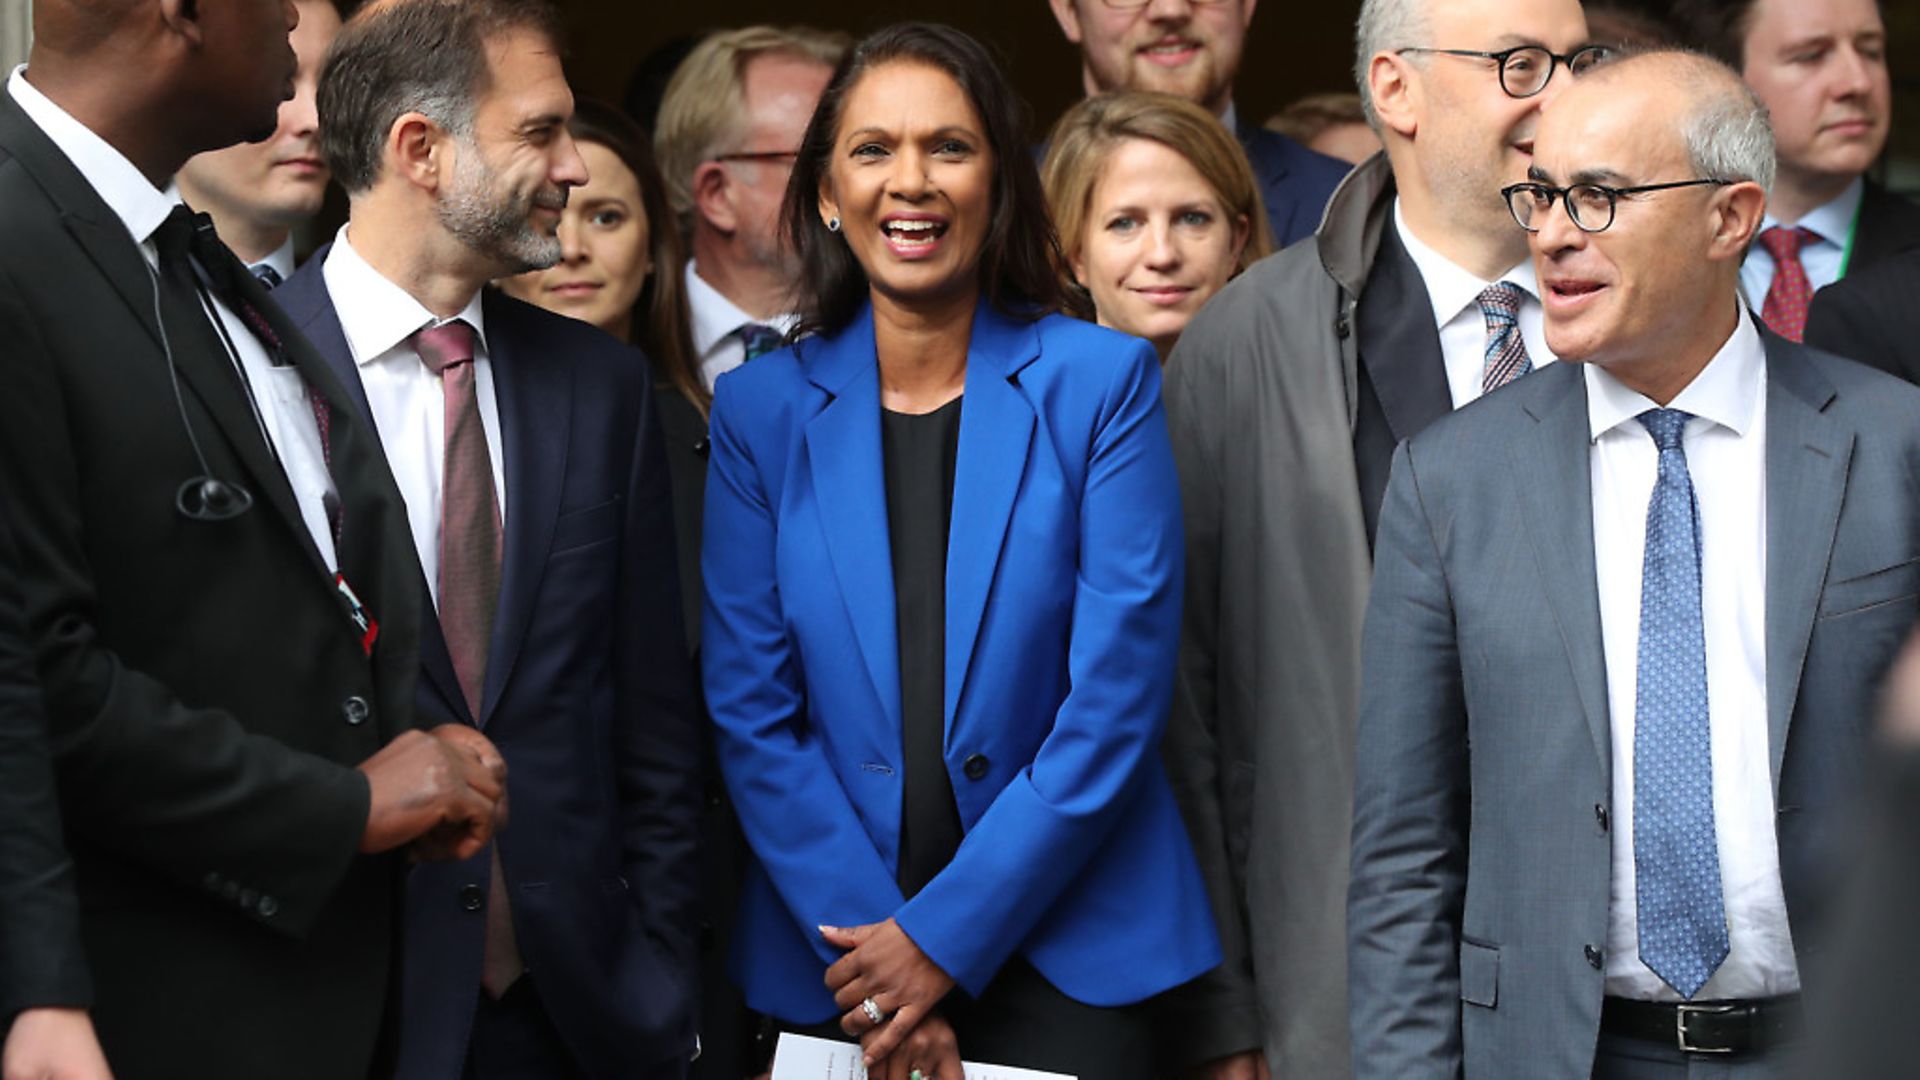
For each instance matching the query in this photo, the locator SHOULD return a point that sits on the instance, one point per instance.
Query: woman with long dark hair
(943, 577)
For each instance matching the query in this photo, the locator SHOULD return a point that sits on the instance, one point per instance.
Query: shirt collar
(375, 314)
(1230, 119)
(1451, 288)
(1725, 392)
(280, 259)
(715, 316)
(1832, 221)
(139, 205)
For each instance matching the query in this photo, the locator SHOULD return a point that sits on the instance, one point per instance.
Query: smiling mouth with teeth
(914, 232)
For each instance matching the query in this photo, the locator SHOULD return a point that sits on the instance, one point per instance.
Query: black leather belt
(1706, 1027)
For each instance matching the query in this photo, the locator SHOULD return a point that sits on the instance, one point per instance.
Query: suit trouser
(1623, 1058)
(514, 1039)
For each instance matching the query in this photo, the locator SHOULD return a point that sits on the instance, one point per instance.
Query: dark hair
(662, 323)
(424, 56)
(1019, 263)
(1719, 28)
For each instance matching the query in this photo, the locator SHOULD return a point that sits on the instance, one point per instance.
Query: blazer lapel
(1808, 453)
(309, 309)
(1552, 467)
(1402, 355)
(996, 430)
(535, 397)
(849, 482)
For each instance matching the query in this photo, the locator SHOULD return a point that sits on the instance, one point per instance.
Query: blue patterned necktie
(759, 339)
(1506, 353)
(1676, 859)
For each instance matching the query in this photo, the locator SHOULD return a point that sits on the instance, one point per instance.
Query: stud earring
(833, 224)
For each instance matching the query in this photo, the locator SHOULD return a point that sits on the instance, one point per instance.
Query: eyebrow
(1601, 176)
(948, 131)
(545, 120)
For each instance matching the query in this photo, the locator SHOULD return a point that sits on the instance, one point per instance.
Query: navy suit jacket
(1063, 617)
(588, 696)
(1294, 181)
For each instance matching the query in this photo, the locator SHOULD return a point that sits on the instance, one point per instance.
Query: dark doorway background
(1293, 49)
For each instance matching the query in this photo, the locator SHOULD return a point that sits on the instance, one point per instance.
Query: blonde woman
(1156, 207)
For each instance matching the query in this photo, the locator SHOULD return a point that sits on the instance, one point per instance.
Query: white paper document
(802, 1057)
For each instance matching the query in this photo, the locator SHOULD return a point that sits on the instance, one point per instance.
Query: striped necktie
(1506, 353)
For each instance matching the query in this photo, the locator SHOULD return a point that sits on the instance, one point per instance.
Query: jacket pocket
(1858, 592)
(588, 525)
(1479, 973)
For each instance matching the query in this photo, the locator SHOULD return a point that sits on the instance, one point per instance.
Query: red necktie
(470, 546)
(1790, 293)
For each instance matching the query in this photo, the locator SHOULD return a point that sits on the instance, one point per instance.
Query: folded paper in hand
(803, 1057)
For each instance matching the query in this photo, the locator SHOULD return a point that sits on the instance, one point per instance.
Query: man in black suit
(214, 571)
(1821, 68)
(1193, 51)
(525, 445)
(44, 988)
(1873, 317)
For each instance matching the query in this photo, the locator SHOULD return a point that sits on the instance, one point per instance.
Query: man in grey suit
(1625, 630)
(1285, 398)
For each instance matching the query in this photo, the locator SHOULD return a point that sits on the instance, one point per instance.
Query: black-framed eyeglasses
(788, 156)
(1525, 70)
(1590, 206)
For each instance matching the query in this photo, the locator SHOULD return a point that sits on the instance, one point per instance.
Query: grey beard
(500, 230)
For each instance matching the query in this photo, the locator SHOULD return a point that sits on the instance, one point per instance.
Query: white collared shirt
(280, 259)
(717, 322)
(408, 401)
(1833, 223)
(1726, 458)
(278, 392)
(1455, 294)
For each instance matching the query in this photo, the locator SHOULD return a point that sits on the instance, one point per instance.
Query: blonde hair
(1088, 134)
(704, 109)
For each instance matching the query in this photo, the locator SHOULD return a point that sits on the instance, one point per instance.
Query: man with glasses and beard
(527, 451)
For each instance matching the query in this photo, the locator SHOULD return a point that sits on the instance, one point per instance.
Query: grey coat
(1261, 399)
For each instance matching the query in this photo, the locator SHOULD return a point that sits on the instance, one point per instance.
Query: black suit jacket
(589, 697)
(40, 958)
(1889, 224)
(1295, 182)
(1873, 316)
(206, 690)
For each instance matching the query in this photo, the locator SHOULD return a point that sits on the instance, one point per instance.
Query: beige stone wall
(16, 32)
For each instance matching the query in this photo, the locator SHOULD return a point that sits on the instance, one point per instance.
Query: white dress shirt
(280, 259)
(1726, 457)
(1455, 294)
(1822, 258)
(716, 327)
(408, 401)
(285, 410)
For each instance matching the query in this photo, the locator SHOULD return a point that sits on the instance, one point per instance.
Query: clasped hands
(885, 966)
(440, 793)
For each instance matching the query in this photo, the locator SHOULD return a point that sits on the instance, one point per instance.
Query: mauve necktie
(1676, 856)
(1785, 310)
(1506, 351)
(470, 547)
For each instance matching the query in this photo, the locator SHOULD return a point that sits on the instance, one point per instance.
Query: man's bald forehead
(1695, 76)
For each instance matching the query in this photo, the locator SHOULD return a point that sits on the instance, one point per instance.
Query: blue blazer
(588, 695)
(1064, 574)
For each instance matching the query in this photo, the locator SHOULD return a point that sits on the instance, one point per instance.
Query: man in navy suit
(527, 451)
(1192, 50)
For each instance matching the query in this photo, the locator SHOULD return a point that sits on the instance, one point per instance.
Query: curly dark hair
(1019, 264)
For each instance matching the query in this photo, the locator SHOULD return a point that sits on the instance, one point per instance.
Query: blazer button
(1600, 813)
(976, 766)
(356, 710)
(1593, 957)
(269, 907)
(472, 898)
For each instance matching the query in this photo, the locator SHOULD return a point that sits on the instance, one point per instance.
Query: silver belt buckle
(1686, 1009)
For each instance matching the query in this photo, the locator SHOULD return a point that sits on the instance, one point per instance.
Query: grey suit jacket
(1478, 901)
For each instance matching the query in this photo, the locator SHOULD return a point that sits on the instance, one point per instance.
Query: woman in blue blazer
(943, 582)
